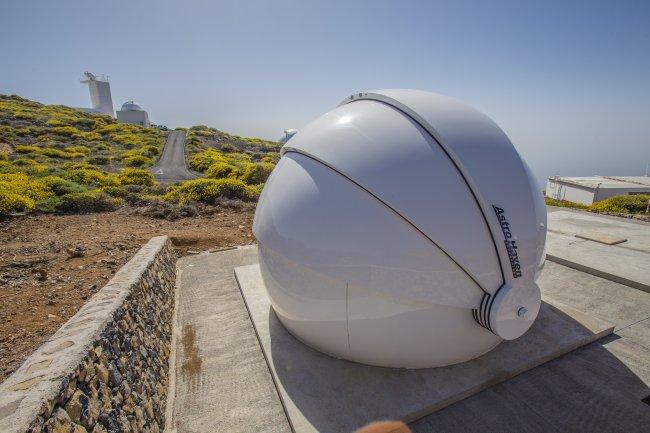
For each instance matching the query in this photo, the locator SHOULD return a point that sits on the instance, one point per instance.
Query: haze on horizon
(569, 82)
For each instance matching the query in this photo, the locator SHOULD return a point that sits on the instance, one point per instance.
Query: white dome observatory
(131, 106)
(133, 113)
(402, 229)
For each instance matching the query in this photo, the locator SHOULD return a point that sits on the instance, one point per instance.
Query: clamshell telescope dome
(402, 229)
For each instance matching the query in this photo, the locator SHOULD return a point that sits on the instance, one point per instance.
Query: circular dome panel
(384, 240)
(131, 106)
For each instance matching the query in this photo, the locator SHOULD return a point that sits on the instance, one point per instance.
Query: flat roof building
(590, 189)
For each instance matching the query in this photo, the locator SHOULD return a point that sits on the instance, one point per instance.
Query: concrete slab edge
(598, 273)
(266, 359)
(598, 332)
(171, 391)
(588, 339)
(75, 366)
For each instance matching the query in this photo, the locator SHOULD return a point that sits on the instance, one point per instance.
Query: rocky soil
(51, 264)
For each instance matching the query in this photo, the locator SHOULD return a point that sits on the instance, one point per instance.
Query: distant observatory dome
(287, 134)
(131, 106)
(133, 113)
(402, 229)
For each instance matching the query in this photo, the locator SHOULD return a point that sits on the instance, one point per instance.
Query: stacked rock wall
(106, 369)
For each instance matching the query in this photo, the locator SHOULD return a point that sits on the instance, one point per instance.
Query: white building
(100, 94)
(587, 190)
(133, 113)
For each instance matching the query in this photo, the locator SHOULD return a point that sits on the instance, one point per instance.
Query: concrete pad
(568, 243)
(324, 394)
(572, 223)
(621, 305)
(602, 238)
(219, 379)
(622, 265)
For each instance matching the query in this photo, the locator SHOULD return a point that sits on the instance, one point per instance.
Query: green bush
(12, 202)
(20, 193)
(221, 170)
(68, 153)
(228, 148)
(88, 176)
(150, 150)
(65, 130)
(88, 136)
(79, 166)
(203, 160)
(60, 186)
(255, 174)
(99, 160)
(270, 159)
(49, 205)
(209, 190)
(563, 203)
(137, 161)
(629, 204)
(85, 123)
(86, 202)
(114, 191)
(193, 140)
(128, 140)
(23, 115)
(136, 176)
(134, 189)
(78, 149)
(23, 162)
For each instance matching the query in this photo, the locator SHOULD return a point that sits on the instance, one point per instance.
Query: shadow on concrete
(588, 389)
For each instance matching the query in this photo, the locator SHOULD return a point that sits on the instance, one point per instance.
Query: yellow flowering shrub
(19, 193)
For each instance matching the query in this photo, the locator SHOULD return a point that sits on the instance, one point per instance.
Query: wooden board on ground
(601, 238)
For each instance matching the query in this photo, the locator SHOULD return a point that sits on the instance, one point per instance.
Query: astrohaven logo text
(511, 244)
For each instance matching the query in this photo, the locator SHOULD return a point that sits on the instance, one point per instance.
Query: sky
(568, 81)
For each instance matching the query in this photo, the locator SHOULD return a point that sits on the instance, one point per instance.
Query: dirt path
(50, 265)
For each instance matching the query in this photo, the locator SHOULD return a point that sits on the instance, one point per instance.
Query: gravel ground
(50, 265)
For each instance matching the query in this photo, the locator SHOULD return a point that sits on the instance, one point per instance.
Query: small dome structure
(286, 136)
(402, 229)
(131, 106)
(133, 113)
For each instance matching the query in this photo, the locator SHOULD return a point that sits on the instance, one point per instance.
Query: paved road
(171, 166)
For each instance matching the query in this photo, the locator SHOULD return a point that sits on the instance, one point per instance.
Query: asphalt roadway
(171, 167)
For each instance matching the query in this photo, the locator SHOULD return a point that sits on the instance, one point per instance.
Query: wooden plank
(601, 238)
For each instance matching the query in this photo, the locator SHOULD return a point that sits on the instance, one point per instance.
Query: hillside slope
(55, 159)
(60, 136)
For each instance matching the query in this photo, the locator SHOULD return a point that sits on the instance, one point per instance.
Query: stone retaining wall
(105, 369)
